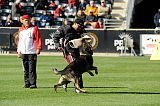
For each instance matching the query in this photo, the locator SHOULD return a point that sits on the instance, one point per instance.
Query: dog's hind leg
(77, 86)
(60, 83)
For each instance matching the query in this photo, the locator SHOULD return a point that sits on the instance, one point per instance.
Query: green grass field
(122, 81)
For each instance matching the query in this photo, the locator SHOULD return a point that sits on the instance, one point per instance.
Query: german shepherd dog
(84, 63)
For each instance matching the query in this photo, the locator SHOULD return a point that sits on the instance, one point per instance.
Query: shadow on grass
(108, 92)
(121, 93)
(84, 87)
(44, 87)
(105, 87)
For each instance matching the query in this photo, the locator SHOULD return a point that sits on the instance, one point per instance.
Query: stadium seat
(89, 27)
(70, 19)
(51, 11)
(11, 0)
(27, 4)
(38, 11)
(10, 3)
(5, 7)
(96, 5)
(5, 12)
(37, 18)
(64, 4)
(96, 2)
(58, 21)
(37, 14)
(30, 4)
(64, 1)
(55, 26)
(51, 8)
(29, 10)
(15, 18)
(3, 17)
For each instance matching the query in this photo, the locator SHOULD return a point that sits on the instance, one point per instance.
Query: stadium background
(137, 20)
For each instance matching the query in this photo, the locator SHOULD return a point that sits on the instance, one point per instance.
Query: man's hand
(38, 52)
(19, 55)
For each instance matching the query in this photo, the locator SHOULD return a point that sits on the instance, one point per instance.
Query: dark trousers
(29, 66)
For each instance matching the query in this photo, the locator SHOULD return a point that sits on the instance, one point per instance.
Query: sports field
(122, 81)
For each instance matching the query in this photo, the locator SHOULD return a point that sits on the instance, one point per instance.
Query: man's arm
(38, 38)
(57, 36)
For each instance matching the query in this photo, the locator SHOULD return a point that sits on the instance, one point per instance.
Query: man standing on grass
(29, 44)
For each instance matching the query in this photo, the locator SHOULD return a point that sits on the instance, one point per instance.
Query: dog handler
(29, 44)
(68, 33)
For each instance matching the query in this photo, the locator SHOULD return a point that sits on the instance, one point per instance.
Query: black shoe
(33, 86)
(26, 86)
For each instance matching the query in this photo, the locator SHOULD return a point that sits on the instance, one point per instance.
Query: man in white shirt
(29, 44)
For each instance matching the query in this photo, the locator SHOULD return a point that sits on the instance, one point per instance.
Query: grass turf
(122, 81)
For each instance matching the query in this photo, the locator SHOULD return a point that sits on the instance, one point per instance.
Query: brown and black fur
(83, 63)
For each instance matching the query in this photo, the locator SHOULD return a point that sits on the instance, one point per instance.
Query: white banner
(147, 43)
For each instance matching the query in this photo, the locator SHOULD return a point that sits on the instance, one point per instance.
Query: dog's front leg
(77, 86)
(96, 70)
(90, 73)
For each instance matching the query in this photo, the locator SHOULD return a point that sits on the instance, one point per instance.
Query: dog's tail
(56, 71)
(62, 72)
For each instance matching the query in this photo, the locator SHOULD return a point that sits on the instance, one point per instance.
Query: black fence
(109, 41)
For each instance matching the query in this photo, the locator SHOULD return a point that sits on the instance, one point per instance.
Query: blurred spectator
(11, 23)
(30, 1)
(1, 2)
(65, 22)
(53, 5)
(110, 2)
(80, 15)
(59, 12)
(17, 9)
(1, 23)
(91, 19)
(99, 24)
(50, 15)
(74, 2)
(82, 5)
(41, 5)
(45, 19)
(157, 19)
(56, 2)
(70, 11)
(35, 22)
(91, 7)
(103, 10)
